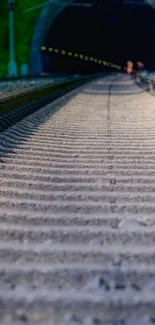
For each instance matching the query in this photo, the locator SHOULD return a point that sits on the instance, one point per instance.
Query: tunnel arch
(48, 14)
(52, 12)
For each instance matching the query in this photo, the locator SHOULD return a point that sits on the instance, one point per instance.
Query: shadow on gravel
(113, 93)
(19, 133)
(23, 130)
(116, 90)
(145, 88)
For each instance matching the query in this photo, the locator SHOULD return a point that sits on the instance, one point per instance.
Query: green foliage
(24, 27)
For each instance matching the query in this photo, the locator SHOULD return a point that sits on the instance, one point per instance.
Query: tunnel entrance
(109, 30)
(89, 31)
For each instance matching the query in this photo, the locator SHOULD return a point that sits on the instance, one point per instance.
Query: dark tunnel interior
(109, 30)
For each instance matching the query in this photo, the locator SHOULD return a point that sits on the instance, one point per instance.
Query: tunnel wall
(138, 40)
(47, 17)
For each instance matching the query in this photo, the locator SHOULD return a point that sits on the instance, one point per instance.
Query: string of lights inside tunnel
(82, 57)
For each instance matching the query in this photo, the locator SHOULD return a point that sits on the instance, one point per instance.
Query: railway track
(15, 87)
(77, 210)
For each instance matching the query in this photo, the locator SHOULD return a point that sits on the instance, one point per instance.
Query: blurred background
(112, 30)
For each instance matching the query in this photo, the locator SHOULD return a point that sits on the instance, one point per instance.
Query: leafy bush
(24, 27)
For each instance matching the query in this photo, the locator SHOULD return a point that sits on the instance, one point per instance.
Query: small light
(63, 52)
(43, 48)
(70, 53)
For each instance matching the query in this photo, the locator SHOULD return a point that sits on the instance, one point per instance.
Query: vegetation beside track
(25, 23)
